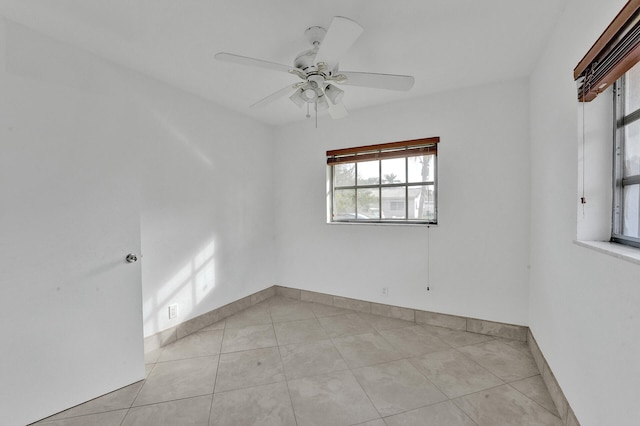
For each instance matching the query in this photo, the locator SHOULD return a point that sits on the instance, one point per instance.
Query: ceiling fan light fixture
(309, 95)
(335, 94)
(297, 98)
(321, 103)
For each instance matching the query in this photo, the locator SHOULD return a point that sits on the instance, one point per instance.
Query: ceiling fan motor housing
(304, 60)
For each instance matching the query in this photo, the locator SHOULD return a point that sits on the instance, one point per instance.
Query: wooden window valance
(426, 146)
(613, 54)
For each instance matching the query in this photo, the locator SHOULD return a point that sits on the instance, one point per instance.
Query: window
(614, 58)
(626, 159)
(386, 183)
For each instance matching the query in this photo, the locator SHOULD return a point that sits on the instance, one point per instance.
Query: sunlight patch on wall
(188, 287)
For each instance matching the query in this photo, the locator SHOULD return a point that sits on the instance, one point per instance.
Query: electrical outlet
(385, 291)
(173, 311)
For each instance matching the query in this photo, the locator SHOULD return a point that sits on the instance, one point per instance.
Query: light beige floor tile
(516, 344)
(310, 359)
(334, 399)
(504, 405)
(255, 315)
(381, 323)
(250, 337)
(183, 412)
(257, 406)
(354, 304)
(178, 379)
(515, 332)
(111, 418)
(250, 385)
(365, 349)
(414, 341)
(249, 368)
(535, 389)
(147, 369)
(345, 325)
(119, 399)
(280, 301)
(502, 360)
(151, 357)
(442, 414)
(288, 292)
(291, 312)
(397, 386)
(377, 422)
(299, 331)
(454, 373)
(192, 346)
(215, 326)
(321, 310)
(457, 338)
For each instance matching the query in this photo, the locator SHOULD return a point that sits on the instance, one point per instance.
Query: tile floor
(286, 362)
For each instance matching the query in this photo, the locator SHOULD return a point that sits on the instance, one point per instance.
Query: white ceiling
(443, 43)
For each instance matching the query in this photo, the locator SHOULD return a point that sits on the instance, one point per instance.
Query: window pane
(394, 171)
(368, 173)
(422, 202)
(632, 149)
(632, 90)
(421, 168)
(393, 203)
(368, 204)
(344, 174)
(344, 204)
(630, 222)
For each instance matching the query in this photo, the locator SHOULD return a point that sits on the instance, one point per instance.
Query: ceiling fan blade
(277, 95)
(378, 81)
(341, 35)
(337, 111)
(253, 62)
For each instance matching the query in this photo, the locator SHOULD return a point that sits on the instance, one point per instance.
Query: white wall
(198, 182)
(207, 212)
(583, 304)
(479, 250)
(71, 306)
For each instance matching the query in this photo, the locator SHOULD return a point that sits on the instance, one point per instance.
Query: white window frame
(622, 119)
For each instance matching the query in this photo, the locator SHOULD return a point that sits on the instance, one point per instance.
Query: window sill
(424, 225)
(630, 254)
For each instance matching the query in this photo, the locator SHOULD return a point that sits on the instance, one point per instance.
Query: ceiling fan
(318, 69)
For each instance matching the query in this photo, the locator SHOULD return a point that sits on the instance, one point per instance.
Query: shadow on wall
(179, 135)
(188, 287)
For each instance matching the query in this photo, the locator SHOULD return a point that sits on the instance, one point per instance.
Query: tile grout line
(286, 382)
(532, 400)
(139, 390)
(350, 369)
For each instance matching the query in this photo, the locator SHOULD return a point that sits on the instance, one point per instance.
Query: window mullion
(406, 188)
(618, 157)
(379, 189)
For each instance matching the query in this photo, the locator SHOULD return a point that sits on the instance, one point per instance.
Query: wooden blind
(613, 54)
(414, 147)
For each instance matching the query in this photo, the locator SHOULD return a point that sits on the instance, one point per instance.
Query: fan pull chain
(308, 115)
(428, 259)
(583, 199)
